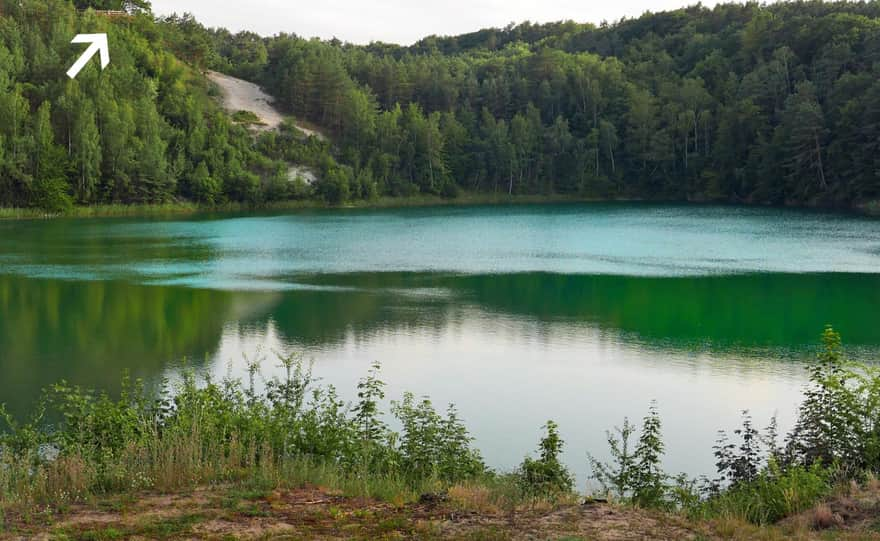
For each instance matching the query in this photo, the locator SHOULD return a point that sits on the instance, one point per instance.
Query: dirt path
(241, 95)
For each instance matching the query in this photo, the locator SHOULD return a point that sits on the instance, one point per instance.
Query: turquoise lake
(582, 313)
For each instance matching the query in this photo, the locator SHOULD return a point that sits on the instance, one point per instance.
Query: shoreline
(187, 208)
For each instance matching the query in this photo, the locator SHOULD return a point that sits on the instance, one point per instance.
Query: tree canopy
(768, 104)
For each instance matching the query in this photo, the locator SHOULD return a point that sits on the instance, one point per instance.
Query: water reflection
(761, 313)
(509, 374)
(511, 350)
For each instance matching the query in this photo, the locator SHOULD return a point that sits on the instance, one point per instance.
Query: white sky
(400, 21)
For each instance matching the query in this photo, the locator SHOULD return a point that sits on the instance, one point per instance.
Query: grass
(260, 508)
(109, 210)
(293, 435)
(169, 527)
(189, 208)
(247, 117)
(465, 198)
(233, 512)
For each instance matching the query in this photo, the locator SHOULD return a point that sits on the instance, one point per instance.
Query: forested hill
(765, 104)
(775, 104)
(145, 130)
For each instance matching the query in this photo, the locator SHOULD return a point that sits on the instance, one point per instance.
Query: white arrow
(98, 44)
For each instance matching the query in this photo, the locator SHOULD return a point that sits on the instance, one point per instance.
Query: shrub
(205, 431)
(636, 475)
(247, 117)
(432, 446)
(773, 495)
(738, 464)
(52, 195)
(838, 420)
(546, 476)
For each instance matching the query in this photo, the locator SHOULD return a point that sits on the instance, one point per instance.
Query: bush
(773, 495)
(838, 420)
(836, 438)
(51, 195)
(208, 431)
(546, 476)
(246, 117)
(636, 475)
(432, 446)
(738, 464)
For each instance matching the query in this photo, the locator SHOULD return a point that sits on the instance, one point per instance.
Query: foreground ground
(223, 513)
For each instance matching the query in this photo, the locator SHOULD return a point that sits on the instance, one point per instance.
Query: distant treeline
(749, 103)
(775, 104)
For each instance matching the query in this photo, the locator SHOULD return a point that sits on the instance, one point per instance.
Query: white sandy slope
(241, 95)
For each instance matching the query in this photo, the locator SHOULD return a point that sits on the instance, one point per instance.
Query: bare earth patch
(241, 95)
(222, 513)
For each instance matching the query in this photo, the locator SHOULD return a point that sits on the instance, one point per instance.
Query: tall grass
(106, 210)
(465, 198)
(205, 432)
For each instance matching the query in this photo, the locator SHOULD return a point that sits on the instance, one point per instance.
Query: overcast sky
(400, 21)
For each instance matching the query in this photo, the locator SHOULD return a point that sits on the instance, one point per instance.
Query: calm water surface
(579, 313)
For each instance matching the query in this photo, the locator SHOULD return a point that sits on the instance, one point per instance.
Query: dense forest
(776, 104)
(145, 130)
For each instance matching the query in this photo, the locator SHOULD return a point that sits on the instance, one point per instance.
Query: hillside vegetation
(775, 104)
(744, 103)
(148, 129)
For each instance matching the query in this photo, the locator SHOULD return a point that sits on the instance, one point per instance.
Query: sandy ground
(241, 95)
(311, 513)
(224, 513)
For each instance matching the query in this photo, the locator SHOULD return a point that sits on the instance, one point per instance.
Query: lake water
(582, 314)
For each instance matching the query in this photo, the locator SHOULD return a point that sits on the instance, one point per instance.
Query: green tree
(803, 134)
(50, 186)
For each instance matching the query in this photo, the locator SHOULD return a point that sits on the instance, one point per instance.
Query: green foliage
(145, 130)
(95, 426)
(80, 443)
(546, 476)
(432, 446)
(245, 117)
(50, 195)
(692, 104)
(837, 423)
(203, 186)
(371, 390)
(335, 186)
(635, 474)
(114, 5)
(739, 464)
(206, 431)
(834, 440)
(774, 494)
(741, 103)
